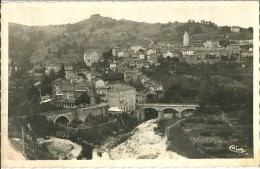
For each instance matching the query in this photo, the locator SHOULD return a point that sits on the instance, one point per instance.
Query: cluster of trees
(223, 96)
(64, 50)
(177, 94)
(225, 42)
(74, 27)
(83, 99)
(16, 73)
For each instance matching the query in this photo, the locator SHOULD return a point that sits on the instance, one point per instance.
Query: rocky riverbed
(144, 144)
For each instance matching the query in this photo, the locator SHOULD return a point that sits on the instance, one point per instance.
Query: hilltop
(39, 43)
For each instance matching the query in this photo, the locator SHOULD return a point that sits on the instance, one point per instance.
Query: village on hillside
(79, 102)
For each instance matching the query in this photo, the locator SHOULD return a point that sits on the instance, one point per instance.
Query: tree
(250, 29)
(46, 85)
(225, 29)
(62, 73)
(197, 29)
(224, 42)
(52, 75)
(151, 98)
(33, 93)
(98, 99)
(83, 99)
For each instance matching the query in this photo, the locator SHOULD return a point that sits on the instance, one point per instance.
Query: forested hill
(38, 43)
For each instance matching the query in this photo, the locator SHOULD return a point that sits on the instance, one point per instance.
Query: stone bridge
(68, 115)
(179, 108)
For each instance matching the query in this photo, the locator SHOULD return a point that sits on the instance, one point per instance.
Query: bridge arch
(150, 113)
(170, 112)
(63, 119)
(187, 111)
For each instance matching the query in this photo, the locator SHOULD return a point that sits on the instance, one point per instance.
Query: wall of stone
(84, 113)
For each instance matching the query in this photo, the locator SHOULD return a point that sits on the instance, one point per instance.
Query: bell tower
(186, 39)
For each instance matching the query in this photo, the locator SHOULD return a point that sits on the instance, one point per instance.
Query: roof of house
(65, 84)
(64, 101)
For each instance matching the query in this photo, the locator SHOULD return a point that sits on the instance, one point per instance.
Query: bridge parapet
(77, 113)
(161, 107)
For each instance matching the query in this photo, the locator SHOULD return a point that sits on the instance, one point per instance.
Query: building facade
(90, 58)
(123, 97)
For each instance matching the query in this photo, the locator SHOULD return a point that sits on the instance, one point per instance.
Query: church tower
(185, 39)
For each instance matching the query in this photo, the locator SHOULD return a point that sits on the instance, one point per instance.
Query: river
(143, 144)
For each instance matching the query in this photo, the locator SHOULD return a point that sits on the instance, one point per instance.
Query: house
(131, 61)
(166, 54)
(62, 88)
(153, 86)
(123, 97)
(91, 57)
(211, 45)
(128, 53)
(115, 51)
(52, 66)
(176, 54)
(191, 59)
(187, 51)
(143, 79)
(152, 59)
(121, 67)
(101, 90)
(146, 65)
(136, 48)
(141, 55)
(139, 65)
(150, 51)
(233, 50)
(140, 98)
(246, 56)
(235, 29)
(213, 59)
(63, 92)
(121, 53)
(131, 75)
(201, 56)
(112, 66)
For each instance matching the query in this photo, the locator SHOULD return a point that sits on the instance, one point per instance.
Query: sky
(234, 13)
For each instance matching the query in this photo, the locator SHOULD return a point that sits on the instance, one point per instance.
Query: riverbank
(178, 142)
(144, 144)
